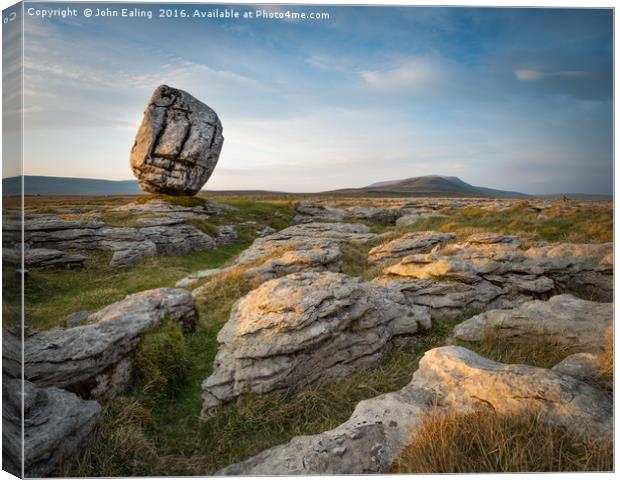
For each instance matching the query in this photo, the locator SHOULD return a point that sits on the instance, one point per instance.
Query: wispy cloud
(528, 75)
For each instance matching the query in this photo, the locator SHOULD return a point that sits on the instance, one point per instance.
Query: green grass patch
(173, 441)
(161, 359)
(51, 295)
(355, 261)
(276, 214)
(204, 226)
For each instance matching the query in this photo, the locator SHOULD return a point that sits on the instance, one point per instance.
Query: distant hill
(40, 185)
(429, 185)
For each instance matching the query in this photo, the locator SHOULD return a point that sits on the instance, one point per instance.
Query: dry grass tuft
(355, 261)
(537, 351)
(485, 442)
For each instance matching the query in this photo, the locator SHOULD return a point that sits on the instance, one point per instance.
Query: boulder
(450, 299)
(57, 424)
(582, 366)
(563, 319)
(43, 257)
(177, 145)
(410, 243)
(448, 380)
(534, 272)
(305, 327)
(413, 218)
(75, 357)
(306, 237)
(129, 253)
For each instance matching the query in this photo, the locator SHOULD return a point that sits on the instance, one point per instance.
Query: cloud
(527, 75)
(412, 74)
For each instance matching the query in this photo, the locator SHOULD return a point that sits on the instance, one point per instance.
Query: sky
(515, 99)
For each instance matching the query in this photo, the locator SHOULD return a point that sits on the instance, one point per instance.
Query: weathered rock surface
(307, 247)
(507, 275)
(582, 366)
(303, 328)
(308, 213)
(76, 356)
(42, 257)
(48, 237)
(449, 380)
(177, 145)
(408, 244)
(412, 218)
(564, 319)
(449, 298)
(57, 423)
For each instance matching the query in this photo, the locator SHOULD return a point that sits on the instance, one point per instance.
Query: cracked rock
(76, 357)
(177, 145)
(306, 327)
(563, 319)
(56, 425)
(449, 380)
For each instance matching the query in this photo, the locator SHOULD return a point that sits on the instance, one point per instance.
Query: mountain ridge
(428, 185)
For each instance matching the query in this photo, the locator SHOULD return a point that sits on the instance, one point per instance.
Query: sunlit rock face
(303, 328)
(449, 380)
(177, 145)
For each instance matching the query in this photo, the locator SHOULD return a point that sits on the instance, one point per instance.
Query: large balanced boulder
(306, 327)
(91, 355)
(177, 145)
(450, 380)
(56, 425)
(564, 319)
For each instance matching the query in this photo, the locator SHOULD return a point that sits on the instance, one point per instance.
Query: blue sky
(518, 99)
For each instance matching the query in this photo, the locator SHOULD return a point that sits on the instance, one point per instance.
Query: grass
(206, 227)
(181, 200)
(98, 285)
(486, 442)
(545, 353)
(559, 223)
(275, 213)
(538, 351)
(161, 359)
(143, 435)
(355, 261)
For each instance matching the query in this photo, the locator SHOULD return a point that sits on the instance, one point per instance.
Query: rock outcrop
(309, 213)
(308, 247)
(48, 236)
(177, 145)
(582, 366)
(42, 257)
(408, 244)
(56, 425)
(563, 319)
(85, 356)
(495, 273)
(305, 327)
(449, 380)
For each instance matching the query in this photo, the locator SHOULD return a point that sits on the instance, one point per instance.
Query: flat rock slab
(563, 319)
(65, 357)
(448, 380)
(305, 327)
(536, 271)
(177, 145)
(408, 244)
(57, 425)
